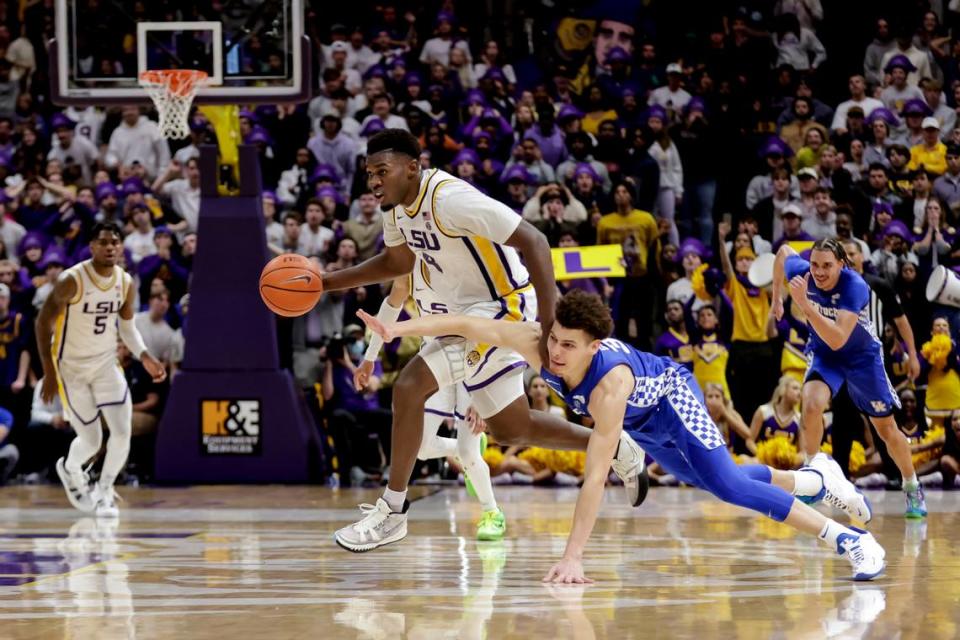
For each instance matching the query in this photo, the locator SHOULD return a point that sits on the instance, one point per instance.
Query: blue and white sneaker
(838, 491)
(916, 505)
(863, 552)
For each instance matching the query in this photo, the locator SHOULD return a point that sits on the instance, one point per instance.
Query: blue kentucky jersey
(655, 377)
(852, 294)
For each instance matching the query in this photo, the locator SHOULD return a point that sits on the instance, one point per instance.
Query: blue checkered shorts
(679, 423)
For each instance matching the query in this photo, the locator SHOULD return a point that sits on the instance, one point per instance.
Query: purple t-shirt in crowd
(348, 398)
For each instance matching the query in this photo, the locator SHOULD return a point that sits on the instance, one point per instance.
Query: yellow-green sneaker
(466, 479)
(492, 525)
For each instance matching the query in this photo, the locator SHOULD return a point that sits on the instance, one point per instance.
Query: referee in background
(884, 307)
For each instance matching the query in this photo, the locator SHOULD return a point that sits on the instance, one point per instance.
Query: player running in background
(659, 403)
(846, 351)
(77, 330)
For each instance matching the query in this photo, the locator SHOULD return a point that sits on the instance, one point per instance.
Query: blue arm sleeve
(795, 266)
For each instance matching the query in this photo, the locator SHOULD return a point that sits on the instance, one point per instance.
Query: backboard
(254, 51)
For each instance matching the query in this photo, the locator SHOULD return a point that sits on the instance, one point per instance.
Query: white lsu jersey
(458, 235)
(87, 330)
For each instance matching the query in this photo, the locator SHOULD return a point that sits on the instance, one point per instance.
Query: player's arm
(607, 405)
(536, 255)
(63, 291)
(465, 211)
(390, 310)
(906, 332)
(779, 275)
(834, 333)
(134, 341)
(522, 337)
(394, 262)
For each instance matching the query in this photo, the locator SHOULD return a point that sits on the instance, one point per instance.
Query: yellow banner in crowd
(602, 261)
(800, 245)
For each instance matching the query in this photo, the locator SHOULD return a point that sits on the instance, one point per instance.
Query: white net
(172, 92)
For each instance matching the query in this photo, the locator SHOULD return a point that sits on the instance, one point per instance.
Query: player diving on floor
(659, 404)
(466, 247)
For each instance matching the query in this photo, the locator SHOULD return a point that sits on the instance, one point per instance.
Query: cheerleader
(710, 353)
(950, 456)
(926, 440)
(793, 325)
(727, 418)
(776, 429)
(940, 365)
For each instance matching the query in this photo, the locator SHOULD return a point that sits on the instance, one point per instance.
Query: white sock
(831, 531)
(84, 446)
(437, 447)
(395, 499)
(468, 450)
(119, 419)
(806, 483)
(910, 483)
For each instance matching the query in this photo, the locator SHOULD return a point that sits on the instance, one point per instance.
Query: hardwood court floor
(260, 562)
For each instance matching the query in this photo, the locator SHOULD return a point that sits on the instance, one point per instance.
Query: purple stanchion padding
(233, 415)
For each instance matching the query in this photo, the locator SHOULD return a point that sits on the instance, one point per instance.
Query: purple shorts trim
(494, 377)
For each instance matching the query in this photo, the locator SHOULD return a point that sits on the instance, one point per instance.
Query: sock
(806, 483)
(468, 450)
(84, 446)
(437, 447)
(911, 483)
(395, 499)
(119, 419)
(831, 531)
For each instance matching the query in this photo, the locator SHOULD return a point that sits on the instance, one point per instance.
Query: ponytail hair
(834, 246)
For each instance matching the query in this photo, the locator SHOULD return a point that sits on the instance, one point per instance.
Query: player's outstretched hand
(567, 571)
(361, 375)
(477, 424)
(798, 288)
(154, 367)
(385, 331)
(49, 389)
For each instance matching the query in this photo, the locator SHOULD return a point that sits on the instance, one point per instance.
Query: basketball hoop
(172, 91)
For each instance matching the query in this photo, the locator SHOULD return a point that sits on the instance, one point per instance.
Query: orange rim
(179, 82)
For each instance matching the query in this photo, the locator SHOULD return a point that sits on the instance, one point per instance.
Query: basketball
(290, 285)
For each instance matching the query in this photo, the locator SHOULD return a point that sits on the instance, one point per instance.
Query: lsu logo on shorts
(230, 427)
(473, 358)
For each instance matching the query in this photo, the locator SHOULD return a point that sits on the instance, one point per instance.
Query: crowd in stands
(697, 145)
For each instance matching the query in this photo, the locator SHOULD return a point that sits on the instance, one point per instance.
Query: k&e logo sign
(230, 427)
